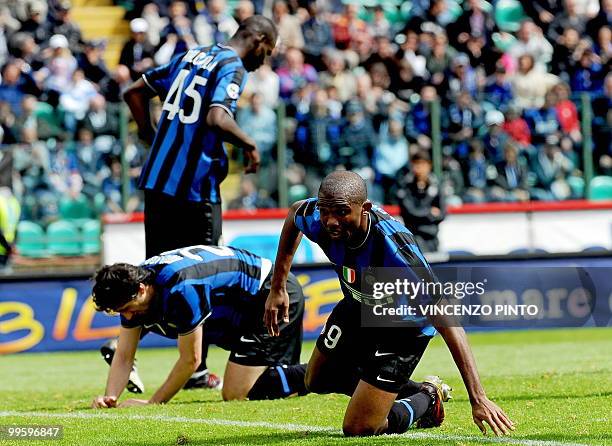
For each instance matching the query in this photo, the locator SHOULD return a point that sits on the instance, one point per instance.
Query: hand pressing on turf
(489, 412)
(132, 402)
(104, 402)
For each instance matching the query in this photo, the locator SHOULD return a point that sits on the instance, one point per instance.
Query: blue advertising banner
(58, 314)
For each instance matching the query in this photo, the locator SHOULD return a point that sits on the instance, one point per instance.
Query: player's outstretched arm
(137, 98)
(278, 299)
(220, 120)
(120, 368)
(190, 356)
(483, 409)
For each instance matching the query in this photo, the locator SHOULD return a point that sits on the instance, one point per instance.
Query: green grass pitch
(555, 384)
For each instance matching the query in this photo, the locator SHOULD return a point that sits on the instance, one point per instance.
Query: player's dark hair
(116, 285)
(258, 24)
(344, 183)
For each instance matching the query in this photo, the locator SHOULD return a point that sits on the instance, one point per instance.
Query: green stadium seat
(31, 239)
(63, 239)
(77, 210)
(91, 233)
(297, 192)
(508, 15)
(600, 188)
(576, 185)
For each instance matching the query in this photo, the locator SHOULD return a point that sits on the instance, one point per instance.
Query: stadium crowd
(358, 84)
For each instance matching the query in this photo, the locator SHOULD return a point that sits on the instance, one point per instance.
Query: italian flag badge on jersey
(348, 274)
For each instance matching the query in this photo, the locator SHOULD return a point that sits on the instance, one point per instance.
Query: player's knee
(358, 429)
(230, 394)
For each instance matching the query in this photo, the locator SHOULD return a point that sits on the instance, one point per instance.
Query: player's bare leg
(239, 379)
(367, 411)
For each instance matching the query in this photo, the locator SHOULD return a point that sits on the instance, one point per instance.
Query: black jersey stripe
(203, 270)
(170, 159)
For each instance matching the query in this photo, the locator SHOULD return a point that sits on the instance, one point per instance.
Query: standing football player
(187, 161)
(372, 365)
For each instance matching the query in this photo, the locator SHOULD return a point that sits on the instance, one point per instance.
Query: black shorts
(255, 347)
(172, 223)
(385, 357)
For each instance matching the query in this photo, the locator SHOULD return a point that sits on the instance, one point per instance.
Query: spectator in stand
(34, 25)
(567, 113)
(214, 24)
(421, 202)
(358, 139)
(15, 85)
(244, 10)
(111, 188)
(498, 90)
(91, 61)
(24, 47)
(348, 28)
(65, 176)
(531, 41)
(250, 197)
(137, 53)
(62, 24)
(289, 27)
(155, 23)
(380, 26)
(410, 51)
(552, 169)
(588, 75)
(474, 22)
(178, 35)
(295, 73)
(259, 121)
(59, 68)
(511, 180)
(317, 36)
(563, 61)
(74, 101)
(494, 138)
(113, 87)
(543, 121)
(101, 118)
(477, 174)
(337, 75)
(543, 12)
(418, 121)
(601, 20)
(440, 59)
(530, 85)
(463, 77)
(266, 83)
(517, 129)
(568, 18)
(603, 45)
(390, 156)
(465, 117)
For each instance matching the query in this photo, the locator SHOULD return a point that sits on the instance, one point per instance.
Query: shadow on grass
(264, 438)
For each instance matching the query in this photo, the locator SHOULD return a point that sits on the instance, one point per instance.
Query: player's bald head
(258, 25)
(344, 184)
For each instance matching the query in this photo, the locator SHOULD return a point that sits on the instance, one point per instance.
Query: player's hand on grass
(489, 412)
(132, 402)
(277, 302)
(252, 160)
(104, 402)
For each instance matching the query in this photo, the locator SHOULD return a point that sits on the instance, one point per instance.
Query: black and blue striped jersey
(201, 282)
(388, 244)
(187, 158)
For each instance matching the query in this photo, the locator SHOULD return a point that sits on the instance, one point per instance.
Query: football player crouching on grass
(216, 292)
(371, 365)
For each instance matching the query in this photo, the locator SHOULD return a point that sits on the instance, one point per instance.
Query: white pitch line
(277, 426)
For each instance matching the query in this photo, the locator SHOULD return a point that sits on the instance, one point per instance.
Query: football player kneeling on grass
(195, 292)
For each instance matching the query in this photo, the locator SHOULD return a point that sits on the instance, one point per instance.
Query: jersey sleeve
(130, 323)
(159, 79)
(231, 80)
(190, 308)
(308, 221)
